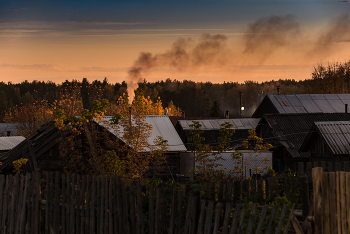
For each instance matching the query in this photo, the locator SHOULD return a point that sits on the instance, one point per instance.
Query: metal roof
(336, 134)
(214, 124)
(310, 103)
(162, 126)
(4, 127)
(10, 142)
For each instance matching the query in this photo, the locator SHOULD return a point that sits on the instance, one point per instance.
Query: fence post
(237, 190)
(317, 181)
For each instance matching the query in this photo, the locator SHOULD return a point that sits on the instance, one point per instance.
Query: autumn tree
(206, 156)
(253, 159)
(333, 78)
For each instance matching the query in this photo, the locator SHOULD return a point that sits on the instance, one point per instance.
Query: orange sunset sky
(216, 41)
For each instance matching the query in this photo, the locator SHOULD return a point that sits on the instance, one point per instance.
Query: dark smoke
(337, 32)
(184, 55)
(268, 34)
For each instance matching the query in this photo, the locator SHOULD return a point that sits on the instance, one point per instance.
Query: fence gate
(331, 202)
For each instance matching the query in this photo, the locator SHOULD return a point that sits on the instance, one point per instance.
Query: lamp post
(240, 104)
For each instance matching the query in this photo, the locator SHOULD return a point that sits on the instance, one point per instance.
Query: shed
(328, 141)
(302, 103)
(40, 149)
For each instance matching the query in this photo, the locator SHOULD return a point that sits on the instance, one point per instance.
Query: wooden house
(41, 150)
(43, 153)
(287, 133)
(161, 127)
(328, 141)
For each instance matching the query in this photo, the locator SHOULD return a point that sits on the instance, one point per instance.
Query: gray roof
(162, 126)
(10, 142)
(214, 124)
(4, 127)
(336, 134)
(310, 103)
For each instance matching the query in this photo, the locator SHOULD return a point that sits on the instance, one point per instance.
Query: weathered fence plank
(235, 218)
(227, 215)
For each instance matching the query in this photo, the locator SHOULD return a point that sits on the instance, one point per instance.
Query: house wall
(266, 107)
(253, 163)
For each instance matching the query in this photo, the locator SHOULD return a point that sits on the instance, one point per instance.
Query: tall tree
(215, 110)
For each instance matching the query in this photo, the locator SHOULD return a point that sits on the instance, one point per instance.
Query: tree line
(194, 99)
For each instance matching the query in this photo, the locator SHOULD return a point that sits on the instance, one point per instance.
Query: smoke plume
(265, 41)
(184, 55)
(337, 32)
(268, 34)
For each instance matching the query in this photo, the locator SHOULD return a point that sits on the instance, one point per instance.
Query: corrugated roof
(10, 142)
(310, 103)
(292, 129)
(214, 124)
(336, 134)
(162, 126)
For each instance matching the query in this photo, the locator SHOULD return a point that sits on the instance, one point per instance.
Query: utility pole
(240, 104)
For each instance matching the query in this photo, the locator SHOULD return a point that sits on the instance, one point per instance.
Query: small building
(162, 127)
(41, 150)
(302, 103)
(211, 129)
(287, 132)
(328, 141)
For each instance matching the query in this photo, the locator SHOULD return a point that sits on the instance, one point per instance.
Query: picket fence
(69, 203)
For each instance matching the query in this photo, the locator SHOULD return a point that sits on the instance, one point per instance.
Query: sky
(199, 40)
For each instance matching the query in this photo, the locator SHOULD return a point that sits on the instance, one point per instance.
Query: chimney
(166, 111)
(9, 132)
(260, 96)
(227, 114)
(346, 108)
(278, 90)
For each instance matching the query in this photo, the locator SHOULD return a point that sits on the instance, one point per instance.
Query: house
(41, 150)
(9, 142)
(211, 133)
(301, 103)
(328, 141)
(211, 129)
(161, 127)
(287, 132)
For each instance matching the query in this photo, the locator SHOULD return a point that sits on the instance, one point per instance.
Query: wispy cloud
(42, 67)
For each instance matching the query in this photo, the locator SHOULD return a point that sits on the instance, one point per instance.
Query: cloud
(29, 66)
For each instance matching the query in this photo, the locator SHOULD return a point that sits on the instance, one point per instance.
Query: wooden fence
(331, 210)
(69, 203)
